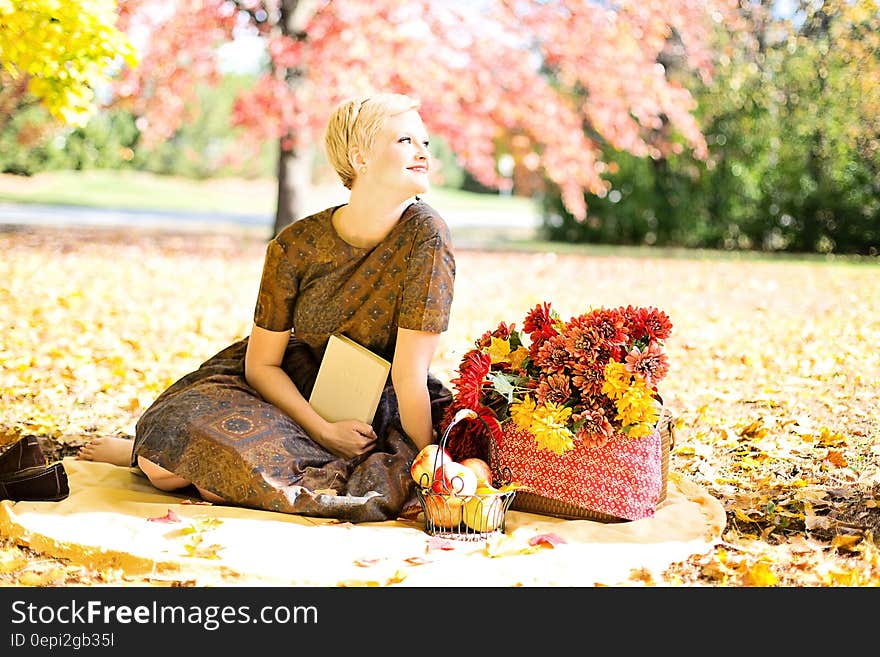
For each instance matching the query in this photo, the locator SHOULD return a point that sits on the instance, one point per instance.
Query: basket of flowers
(463, 500)
(572, 410)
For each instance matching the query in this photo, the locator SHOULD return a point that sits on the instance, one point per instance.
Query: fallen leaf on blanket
(642, 575)
(168, 517)
(202, 525)
(507, 545)
(439, 543)
(366, 563)
(11, 560)
(547, 540)
(207, 552)
(358, 583)
(48, 577)
(354, 582)
(417, 561)
(194, 548)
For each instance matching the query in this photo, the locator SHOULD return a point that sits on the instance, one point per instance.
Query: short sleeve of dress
(278, 290)
(430, 275)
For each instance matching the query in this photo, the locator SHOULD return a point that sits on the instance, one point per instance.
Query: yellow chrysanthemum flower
(550, 430)
(637, 404)
(617, 380)
(639, 430)
(521, 412)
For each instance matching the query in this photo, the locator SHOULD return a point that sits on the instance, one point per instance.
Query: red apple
(480, 468)
(426, 462)
(453, 478)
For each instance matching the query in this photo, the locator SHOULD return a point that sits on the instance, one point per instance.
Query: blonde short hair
(356, 122)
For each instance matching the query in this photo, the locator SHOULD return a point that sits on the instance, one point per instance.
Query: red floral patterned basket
(623, 480)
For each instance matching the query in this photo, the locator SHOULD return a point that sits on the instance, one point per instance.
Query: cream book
(350, 381)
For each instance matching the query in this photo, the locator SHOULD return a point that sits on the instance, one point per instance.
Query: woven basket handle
(666, 421)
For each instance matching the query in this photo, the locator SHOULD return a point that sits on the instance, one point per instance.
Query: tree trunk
(812, 211)
(292, 185)
(12, 93)
(292, 164)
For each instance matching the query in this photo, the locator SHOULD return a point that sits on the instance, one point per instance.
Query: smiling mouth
(419, 169)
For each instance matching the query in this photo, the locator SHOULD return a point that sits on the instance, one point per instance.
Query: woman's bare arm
(409, 374)
(262, 367)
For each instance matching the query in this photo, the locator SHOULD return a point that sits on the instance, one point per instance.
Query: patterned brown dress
(213, 429)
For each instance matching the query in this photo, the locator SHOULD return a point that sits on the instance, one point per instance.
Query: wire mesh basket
(457, 506)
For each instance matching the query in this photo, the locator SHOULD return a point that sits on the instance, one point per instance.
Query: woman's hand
(348, 438)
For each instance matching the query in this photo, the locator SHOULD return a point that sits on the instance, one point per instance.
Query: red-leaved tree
(566, 75)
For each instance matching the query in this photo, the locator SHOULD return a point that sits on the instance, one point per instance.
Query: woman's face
(400, 159)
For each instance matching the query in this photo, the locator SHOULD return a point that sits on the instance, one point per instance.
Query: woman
(378, 269)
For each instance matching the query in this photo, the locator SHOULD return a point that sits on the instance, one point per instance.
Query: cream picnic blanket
(114, 519)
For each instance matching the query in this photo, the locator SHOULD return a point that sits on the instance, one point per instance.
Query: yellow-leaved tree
(61, 51)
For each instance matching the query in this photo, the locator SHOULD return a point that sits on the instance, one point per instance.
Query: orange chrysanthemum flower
(650, 363)
(554, 389)
(552, 356)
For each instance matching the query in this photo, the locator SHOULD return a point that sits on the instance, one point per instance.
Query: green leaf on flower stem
(515, 340)
(502, 384)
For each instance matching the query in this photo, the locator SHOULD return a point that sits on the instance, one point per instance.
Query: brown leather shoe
(23, 454)
(36, 484)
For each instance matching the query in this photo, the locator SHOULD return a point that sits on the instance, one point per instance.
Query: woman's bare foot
(107, 449)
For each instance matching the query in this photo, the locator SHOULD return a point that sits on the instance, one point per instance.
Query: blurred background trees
(749, 124)
(793, 134)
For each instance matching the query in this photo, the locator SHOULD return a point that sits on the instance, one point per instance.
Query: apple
(484, 512)
(443, 511)
(480, 468)
(452, 478)
(426, 462)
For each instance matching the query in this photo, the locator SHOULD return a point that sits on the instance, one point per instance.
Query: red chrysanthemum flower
(596, 430)
(657, 324)
(554, 388)
(471, 378)
(651, 363)
(647, 323)
(552, 356)
(610, 324)
(539, 321)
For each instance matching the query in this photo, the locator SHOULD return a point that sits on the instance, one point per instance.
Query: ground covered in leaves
(774, 372)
